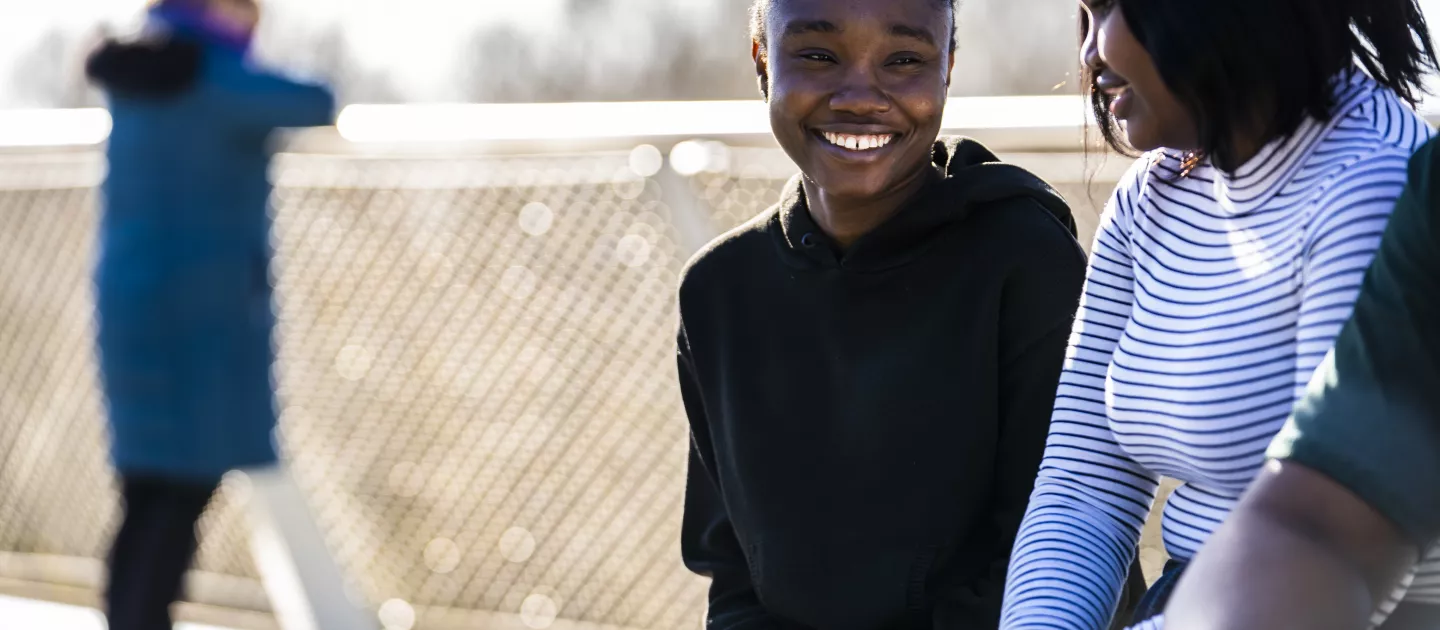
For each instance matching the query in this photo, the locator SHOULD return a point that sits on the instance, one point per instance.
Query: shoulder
(1025, 229)
(1365, 168)
(1365, 187)
(1124, 205)
(1040, 263)
(728, 255)
(1144, 174)
(232, 73)
(1369, 143)
(1371, 114)
(1422, 171)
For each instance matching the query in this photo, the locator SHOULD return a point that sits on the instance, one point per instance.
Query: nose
(1090, 48)
(859, 95)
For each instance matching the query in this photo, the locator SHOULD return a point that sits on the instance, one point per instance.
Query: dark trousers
(152, 550)
(1410, 616)
(1153, 602)
(1130, 596)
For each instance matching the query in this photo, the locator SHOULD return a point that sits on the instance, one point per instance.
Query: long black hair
(1266, 65)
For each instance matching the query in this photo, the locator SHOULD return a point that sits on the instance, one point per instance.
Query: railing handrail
(1053, 123)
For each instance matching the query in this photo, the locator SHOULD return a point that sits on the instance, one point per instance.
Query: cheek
(792, 97)
(1117, 47)
(924, 105)
(1175, 122)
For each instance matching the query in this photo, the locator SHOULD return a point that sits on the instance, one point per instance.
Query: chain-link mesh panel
(55, 488)
(476, 375)
(477, 360)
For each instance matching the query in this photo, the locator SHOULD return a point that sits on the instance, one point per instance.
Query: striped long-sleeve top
(1210, 299)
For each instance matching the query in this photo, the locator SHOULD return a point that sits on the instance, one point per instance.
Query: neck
(1244, 148)
(1245, 142)
(846, 219)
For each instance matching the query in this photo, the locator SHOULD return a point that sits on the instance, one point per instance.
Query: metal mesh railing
(475, 373)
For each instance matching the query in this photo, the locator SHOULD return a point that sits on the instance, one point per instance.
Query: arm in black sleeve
(708, 543)
(1036, 315)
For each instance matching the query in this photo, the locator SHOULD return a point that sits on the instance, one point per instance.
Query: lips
(858, 142)
(1121, 103)
(1117, 90)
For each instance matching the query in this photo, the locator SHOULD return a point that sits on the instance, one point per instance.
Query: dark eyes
(902, 60)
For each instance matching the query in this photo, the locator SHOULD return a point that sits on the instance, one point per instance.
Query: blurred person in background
(868, 367)
(1354, 498)
(1225, 264)
(183, 290)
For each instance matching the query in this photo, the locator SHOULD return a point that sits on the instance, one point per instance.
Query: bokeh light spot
(536, 218)
(646, 160)
(538, 611)
(517, 544)
(353, 362)
(397, 614)
(633, 250)
(442, 555)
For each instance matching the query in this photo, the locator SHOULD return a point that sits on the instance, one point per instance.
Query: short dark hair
(1234, 63)
(760, 9)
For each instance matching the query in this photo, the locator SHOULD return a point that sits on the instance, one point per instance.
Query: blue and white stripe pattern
(1210, 300)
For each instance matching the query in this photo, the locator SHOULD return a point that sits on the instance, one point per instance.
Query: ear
(762, 67)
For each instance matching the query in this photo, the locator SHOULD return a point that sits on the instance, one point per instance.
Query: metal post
(306, 587)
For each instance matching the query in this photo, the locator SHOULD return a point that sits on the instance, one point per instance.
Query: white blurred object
(646, 160)
(692, 157)
(397, 614)
(306, 587)
(553, 121)
(53, 127)
(575, 121)
(29, 614)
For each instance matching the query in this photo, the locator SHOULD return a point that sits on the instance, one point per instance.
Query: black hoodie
(867, 426)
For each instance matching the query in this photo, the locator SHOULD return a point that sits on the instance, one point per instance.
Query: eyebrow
(901, 30)
(800, 27)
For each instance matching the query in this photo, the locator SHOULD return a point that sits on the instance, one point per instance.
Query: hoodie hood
(148, 68)
(972, 179)
(169, 57)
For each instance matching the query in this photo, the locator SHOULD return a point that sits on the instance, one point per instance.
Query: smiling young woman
(868, 367)
(1277, 134)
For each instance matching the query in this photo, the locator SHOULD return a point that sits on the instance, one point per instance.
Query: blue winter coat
(183, 287)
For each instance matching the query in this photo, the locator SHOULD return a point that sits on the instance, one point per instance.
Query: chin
(1143, 144)
(1139, 137)
(849, 185)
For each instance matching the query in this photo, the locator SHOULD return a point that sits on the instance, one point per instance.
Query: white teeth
(860, 142)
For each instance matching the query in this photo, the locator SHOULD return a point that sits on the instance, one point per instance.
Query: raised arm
(260, 101)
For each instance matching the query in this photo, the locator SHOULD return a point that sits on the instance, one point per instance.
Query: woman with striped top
(1224, 266)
